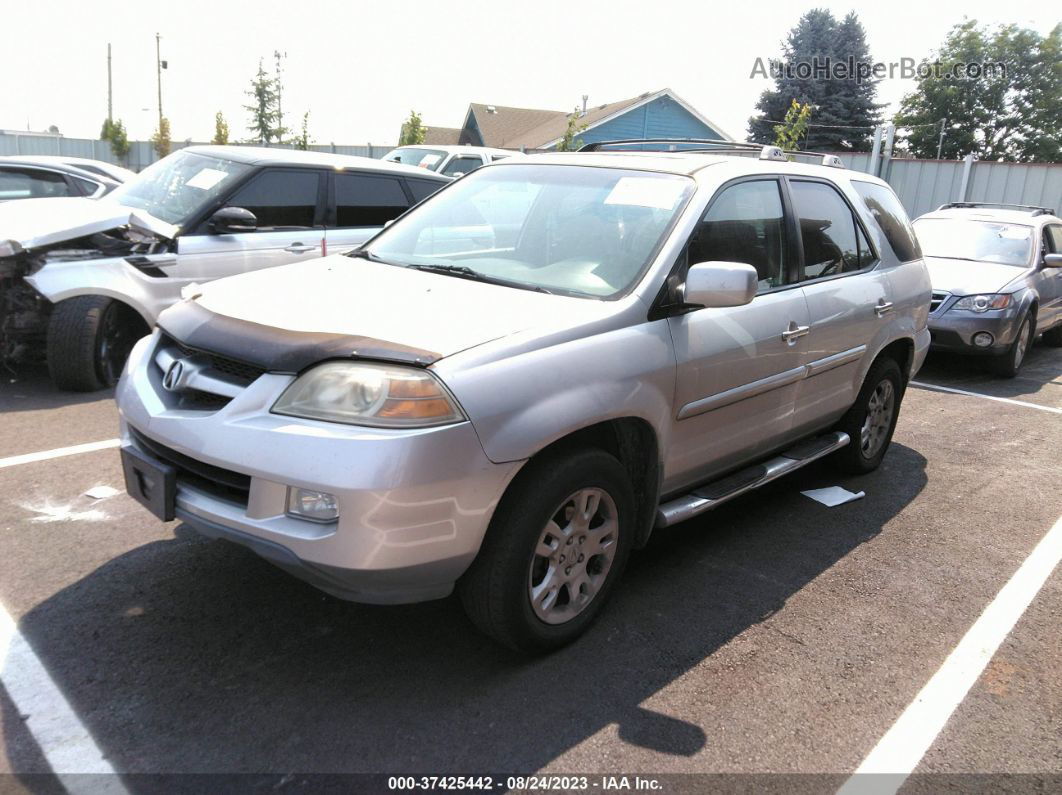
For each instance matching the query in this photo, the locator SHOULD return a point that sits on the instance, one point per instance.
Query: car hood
(42, 222)
(354, 298)
(964, 277)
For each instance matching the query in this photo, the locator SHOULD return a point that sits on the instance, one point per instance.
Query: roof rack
(1032, 209)
(714, 145)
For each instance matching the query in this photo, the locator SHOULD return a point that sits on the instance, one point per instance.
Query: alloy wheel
(573, 555)
(880, 408)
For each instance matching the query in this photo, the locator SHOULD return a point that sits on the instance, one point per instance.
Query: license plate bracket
(150, 482)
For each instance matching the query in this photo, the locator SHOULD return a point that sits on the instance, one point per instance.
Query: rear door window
(891, 218)
(280, 199)
(364, 200)
(831, 238)
(32, 183)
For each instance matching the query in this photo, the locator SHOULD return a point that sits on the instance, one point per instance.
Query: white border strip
(986, 397)
(58, 452)
(63, 739)
(898, 753)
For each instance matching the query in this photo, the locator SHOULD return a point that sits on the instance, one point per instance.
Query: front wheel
(872, 419)
(1008, 365)
(558, 542)
(89, 339)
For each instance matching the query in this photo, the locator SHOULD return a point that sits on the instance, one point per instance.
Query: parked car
(99, 167)
(511, 386)
(997, 280)
(84, 280)
(453, 161)
(25, 177)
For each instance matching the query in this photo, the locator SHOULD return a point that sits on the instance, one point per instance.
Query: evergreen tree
(160, 141)
(221, 130)
(264, 109)
(844, 106)
(1014, 113)
(413, 130)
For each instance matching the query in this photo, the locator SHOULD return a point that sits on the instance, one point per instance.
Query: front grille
(937, 299)
(223, 483)
(237, 371)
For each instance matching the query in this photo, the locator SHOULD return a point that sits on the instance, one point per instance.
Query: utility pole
(277, 55)
(940, 143)
(110, 96)
(159, 66)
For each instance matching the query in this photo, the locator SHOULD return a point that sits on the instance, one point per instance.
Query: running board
(708, 496)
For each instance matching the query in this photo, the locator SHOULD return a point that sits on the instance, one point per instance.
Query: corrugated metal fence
(922, 185)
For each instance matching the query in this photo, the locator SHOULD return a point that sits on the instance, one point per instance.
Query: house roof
(513, 128)
(442, 136)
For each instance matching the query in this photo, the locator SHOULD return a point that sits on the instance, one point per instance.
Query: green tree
(1011, 111)
(160, 141)
(569, 142)
(221, 130)
(844, 106)
(303, 139)
(413, 130)
(264, 108)
(794, 127)
(114, 132)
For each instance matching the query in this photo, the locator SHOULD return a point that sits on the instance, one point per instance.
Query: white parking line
(986, 397)
(58, 452)
(898, 753)
(63, 740)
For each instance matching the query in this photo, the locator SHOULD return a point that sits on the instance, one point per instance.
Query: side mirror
(718, 284)
(233, 221)
(1053, 260)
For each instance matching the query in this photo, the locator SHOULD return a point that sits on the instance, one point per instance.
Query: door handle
(883, 307)
(299, 248)
(795, 332)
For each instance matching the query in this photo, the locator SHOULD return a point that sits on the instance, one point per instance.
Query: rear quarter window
(891, 218)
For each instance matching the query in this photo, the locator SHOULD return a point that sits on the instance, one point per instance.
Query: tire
(89, 339)
(1052, 338)
(1008, 365)
(537, 515)
(871, 420)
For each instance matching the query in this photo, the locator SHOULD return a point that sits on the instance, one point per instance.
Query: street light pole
(940, 143)
(110, 102)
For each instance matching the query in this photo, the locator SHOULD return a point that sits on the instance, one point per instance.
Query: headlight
(982, 303)
(359, 393)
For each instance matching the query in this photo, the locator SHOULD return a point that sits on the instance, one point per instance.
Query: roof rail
(710, 145)
(1032, 209)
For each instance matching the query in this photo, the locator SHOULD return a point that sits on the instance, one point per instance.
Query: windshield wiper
(465, 272)
(366, 254)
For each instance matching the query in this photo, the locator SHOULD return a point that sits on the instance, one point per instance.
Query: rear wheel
(557, 544)
(1053, 337)
(89, 339)
(1008, 365)
(872, 419)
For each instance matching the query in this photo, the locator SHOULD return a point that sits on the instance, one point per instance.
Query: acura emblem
(171, 381)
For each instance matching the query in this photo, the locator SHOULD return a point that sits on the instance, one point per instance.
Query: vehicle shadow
(195, 656)
(1042, 371)
(29, 388)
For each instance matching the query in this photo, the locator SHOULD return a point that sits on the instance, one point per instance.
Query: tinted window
(461, 165)
(745, 224)
(1053, 238)
(87, 187)
(891, 217)
(368, 201)
(280, 199)
(29, 183)
(831, 238)
(422, 189)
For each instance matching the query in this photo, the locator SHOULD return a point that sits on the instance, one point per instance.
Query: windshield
(573, 230)
(414, 156)
(178, 186)
(983, 241)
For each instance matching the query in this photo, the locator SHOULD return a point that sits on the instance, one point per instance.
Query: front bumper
(953, 330)
(414, 505)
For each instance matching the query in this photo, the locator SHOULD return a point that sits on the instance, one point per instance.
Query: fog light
(317, 506)
(982, 339)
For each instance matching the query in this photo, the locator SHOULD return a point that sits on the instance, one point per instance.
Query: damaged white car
(81, 280)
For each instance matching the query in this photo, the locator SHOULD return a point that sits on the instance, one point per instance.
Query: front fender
(114, 278)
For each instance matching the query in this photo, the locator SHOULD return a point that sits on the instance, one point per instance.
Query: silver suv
(513, 385)
(997, 279)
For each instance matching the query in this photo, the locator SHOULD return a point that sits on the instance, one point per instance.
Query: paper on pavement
(833, 495)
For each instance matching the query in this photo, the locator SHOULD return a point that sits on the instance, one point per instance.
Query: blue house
(659, 114)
